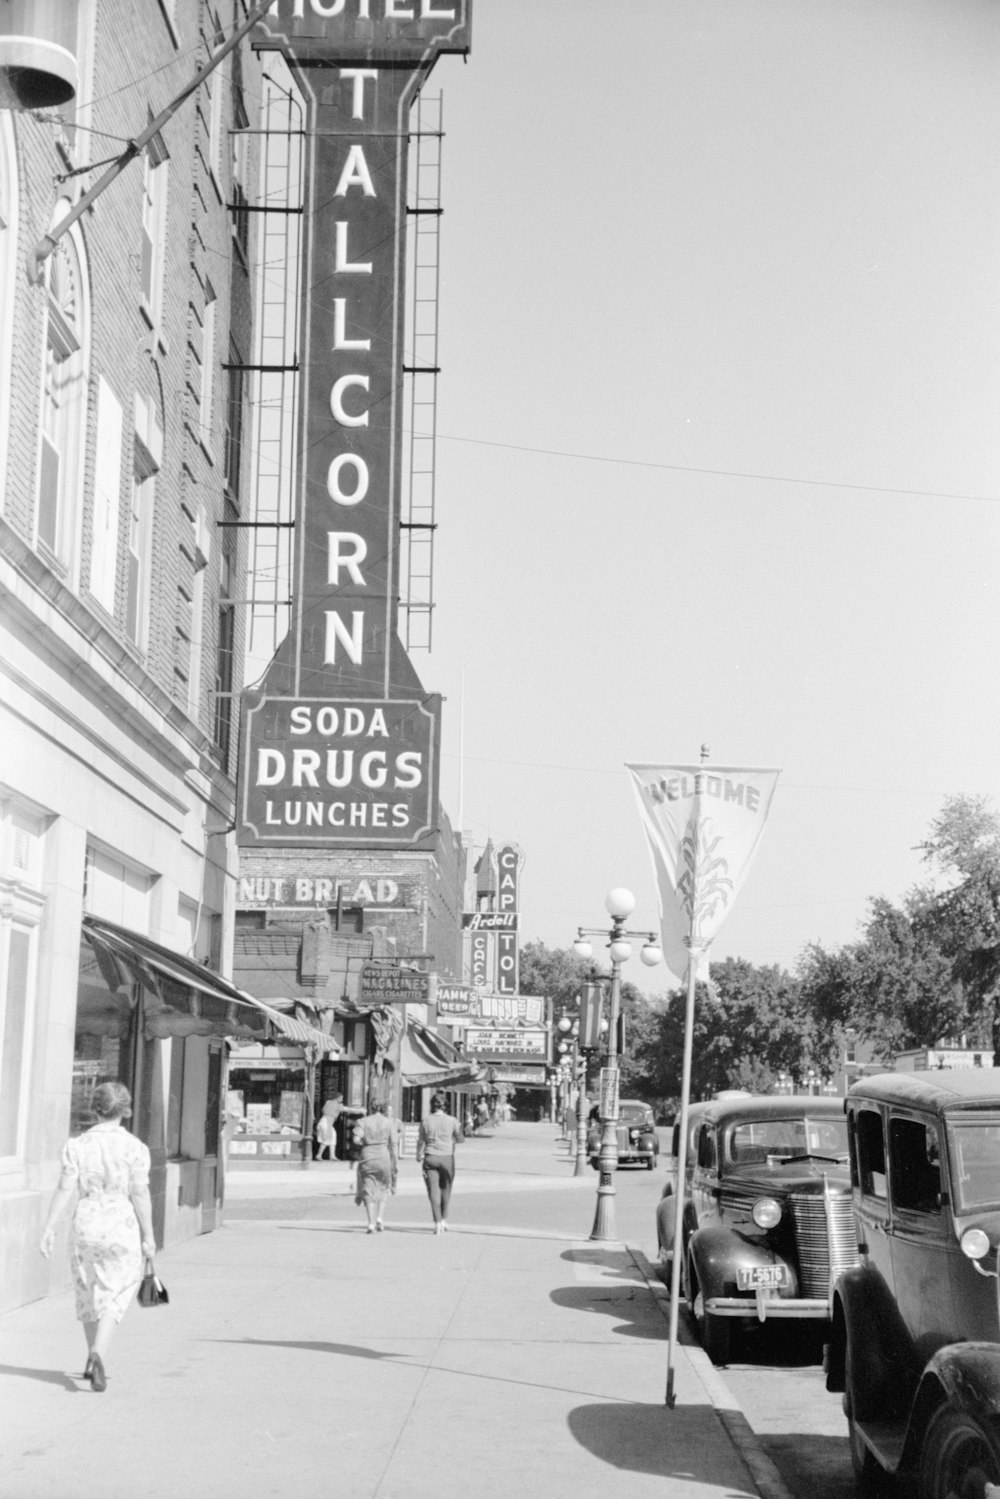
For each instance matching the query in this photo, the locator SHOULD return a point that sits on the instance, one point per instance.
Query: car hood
(798, 1176)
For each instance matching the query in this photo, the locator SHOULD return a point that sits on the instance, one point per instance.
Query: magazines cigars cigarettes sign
(340, 742)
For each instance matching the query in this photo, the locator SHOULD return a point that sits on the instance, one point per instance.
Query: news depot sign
(340, 741)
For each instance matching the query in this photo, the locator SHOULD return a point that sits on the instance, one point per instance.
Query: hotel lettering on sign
(340, 742)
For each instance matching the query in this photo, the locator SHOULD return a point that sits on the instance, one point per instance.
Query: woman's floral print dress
(106, 1164)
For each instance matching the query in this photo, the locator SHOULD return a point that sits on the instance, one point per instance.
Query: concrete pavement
(506, 1357)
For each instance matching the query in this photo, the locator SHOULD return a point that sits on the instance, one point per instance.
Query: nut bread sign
(340, 741)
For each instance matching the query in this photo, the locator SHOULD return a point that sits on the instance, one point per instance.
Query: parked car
(665, 1214)
(768, 1220)
(638, 1142)
(915, 1344)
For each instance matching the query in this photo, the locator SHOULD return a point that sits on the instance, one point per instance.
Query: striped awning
(187, 997)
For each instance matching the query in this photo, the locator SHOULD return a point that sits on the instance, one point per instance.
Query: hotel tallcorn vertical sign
(340, 742)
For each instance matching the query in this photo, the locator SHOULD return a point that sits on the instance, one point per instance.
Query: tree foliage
(749, 1027)
(928, 969)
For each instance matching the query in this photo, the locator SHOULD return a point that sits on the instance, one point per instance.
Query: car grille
(827, 1239)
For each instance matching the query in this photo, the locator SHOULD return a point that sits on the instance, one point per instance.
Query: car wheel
(716, 1333)
(960, 1455)
(650, 1163)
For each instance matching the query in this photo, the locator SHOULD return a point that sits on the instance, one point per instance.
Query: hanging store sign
(509, 861)
(489, 921)
(377, 891)
(461, 1001)
(458, 1000)
(480, 964)
(340, 742)
(395, 30)
(382, 984)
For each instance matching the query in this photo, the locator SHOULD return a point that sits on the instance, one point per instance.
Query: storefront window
(105, 1032)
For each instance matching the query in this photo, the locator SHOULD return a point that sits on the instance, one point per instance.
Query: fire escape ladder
(420, 372)
(274, 374)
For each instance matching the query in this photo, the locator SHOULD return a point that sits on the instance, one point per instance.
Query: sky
(718, 448)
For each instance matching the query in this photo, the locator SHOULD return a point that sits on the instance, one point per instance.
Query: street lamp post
(570, 1031)
(619, 904)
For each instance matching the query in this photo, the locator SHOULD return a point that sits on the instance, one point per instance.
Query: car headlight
(766, 1212)
(975, 1244)
(633, 1135)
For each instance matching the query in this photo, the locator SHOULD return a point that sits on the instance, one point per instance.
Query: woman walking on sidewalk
(112, 1224)
(440, 1132)
(376, 1164)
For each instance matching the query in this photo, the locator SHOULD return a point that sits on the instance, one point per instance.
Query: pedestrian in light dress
(108, 1169)
(439, 1133)
(376, 1136)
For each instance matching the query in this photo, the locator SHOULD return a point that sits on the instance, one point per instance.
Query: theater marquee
(340, 742)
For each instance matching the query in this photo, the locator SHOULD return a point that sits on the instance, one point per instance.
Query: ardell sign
(340, 741)
(489, 921)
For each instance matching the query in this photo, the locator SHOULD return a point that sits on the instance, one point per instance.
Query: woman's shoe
(88, 1367)
(370, 1229)
(444, 1226)
(379, 1225)
(98, 1378)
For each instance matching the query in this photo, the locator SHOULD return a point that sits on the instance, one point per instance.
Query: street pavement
(510, 1356)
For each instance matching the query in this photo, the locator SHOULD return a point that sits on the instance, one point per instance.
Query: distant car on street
(915, 1345)
(768, 1220)
(638, 1142)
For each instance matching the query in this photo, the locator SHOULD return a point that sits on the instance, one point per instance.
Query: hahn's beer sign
(340, 741)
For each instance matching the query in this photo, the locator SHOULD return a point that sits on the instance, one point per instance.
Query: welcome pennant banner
(703, 825)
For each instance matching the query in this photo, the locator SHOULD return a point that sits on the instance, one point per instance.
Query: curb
(769, 1482)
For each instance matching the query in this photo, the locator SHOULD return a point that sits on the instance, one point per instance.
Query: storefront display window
(104, 1039)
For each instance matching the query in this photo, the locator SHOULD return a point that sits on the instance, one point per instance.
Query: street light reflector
(583, 948)
(620, 950)
(650, 954)
(564, 1024)
(619, 903)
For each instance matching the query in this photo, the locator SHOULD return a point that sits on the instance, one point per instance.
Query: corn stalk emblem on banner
(703, 825)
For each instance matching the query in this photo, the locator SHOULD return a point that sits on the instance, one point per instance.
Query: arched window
(8, 257)
(63, 422)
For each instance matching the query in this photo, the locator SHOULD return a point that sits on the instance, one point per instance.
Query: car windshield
(975, 1152)
(634, 1113)
(759, 1139)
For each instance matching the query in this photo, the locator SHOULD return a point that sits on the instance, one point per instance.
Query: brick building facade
(123, 404)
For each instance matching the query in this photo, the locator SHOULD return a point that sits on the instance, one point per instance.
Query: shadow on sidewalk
(346, 1350)
(650, 1439)
(44, 1376)
(632, 1303)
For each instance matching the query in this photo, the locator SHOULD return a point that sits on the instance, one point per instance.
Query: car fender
(969, 1376)
(718, 1252)
(965, 1376)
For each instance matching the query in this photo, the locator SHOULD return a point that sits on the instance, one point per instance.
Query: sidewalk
(300, 1354)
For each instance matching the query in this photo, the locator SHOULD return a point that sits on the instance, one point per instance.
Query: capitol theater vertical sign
(340, 742)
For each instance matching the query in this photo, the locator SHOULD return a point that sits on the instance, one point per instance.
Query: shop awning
(427, 1060)
(192, 1000)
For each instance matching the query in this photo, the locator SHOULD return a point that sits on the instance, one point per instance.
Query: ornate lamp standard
(619, 904)
(570, 1031)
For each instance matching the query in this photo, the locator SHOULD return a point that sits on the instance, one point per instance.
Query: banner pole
(679, 1191)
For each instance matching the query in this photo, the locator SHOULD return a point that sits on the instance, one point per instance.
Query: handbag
(152, 1291)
